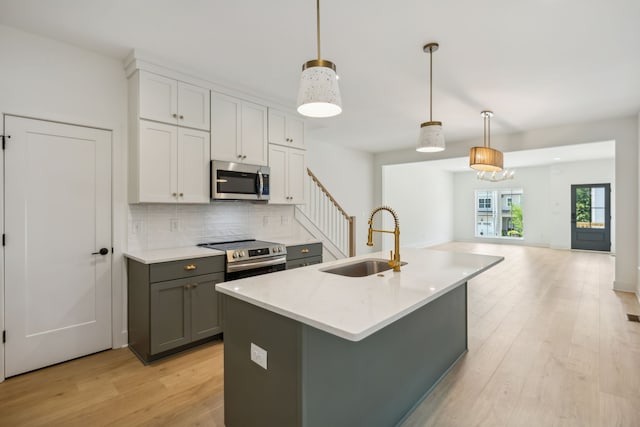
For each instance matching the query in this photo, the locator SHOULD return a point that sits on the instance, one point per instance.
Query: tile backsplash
(165, 226)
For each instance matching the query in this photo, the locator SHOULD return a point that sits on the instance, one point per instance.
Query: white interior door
(57, 215)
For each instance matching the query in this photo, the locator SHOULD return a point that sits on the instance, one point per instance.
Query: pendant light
(319, 94)
(486, 158)
(431, 137)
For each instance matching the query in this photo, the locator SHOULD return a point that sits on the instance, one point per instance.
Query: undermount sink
(361, 268)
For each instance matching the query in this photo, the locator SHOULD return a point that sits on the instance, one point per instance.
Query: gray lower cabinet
(303, 255)
(168, 313)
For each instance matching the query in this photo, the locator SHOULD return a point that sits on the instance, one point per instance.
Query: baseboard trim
(623, 287)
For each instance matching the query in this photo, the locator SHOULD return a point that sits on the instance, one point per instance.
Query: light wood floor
(549, 345)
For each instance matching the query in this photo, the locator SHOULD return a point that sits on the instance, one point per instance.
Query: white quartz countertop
(356, 307)
(171, 254)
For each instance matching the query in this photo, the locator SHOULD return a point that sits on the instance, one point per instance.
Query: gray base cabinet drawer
(304, 251)
(168, 313)
(187, 268)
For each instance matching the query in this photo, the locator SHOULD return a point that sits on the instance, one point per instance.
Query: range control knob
(279, 248)
(241, 253)
(235, 254)
(275, 249)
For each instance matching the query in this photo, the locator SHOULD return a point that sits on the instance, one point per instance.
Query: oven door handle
(232, 268)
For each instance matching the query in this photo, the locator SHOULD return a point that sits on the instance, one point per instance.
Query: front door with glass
(591, 217)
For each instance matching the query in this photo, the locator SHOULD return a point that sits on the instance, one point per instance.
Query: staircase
(326, 220)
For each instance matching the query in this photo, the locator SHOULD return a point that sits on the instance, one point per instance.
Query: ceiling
(535, 64)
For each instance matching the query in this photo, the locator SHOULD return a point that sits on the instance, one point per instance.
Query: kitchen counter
(356, 307)
(171, 254)
(309, 348)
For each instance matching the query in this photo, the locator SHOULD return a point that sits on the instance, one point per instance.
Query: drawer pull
(305, 251)
(190, 267)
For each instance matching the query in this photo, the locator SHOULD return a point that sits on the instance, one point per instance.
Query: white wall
(546, 205)
(422, 195)
(45, 79)
(348, 175)
(622, 130)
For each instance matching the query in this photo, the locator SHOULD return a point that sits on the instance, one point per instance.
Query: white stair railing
(329, 217)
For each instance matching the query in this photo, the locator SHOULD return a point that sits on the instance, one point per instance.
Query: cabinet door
(278, 176)
(193, 106)
(254, 134)
(296, 176)
(277, 127)
(158, 98)
(193, 166)
(295, 132)
(158, 175)
(169, 315)
(225, 127)
(205, 316)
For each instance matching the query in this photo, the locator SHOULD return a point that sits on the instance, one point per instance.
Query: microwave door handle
(260, 184)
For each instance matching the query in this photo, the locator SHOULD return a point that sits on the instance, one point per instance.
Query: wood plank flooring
(549, 345)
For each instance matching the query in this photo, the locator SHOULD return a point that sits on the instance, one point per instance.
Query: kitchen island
(344, 351)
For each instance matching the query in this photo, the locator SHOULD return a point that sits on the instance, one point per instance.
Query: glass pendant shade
(485, 159)
(431, 138)
(319, 94)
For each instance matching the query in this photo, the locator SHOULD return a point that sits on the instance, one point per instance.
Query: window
(499, 213)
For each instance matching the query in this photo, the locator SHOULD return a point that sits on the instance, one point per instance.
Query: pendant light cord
(430, 84)
(318, 25)
(486, 136)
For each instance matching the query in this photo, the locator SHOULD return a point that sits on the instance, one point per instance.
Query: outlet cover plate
(259, 356)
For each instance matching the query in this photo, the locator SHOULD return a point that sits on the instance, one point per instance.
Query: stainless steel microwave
(238, 181)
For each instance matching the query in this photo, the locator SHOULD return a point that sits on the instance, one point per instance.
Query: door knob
(102, 251)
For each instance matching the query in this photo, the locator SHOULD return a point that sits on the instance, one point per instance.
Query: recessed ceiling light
(556, 158)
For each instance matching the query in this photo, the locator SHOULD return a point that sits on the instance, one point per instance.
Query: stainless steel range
(246, 258)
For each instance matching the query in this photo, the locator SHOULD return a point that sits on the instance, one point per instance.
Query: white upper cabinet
(171, 101)
(285, 129)
(287, 177)
(238, 130)
(173, 165)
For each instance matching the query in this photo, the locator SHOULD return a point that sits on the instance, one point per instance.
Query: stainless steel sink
(361, 268)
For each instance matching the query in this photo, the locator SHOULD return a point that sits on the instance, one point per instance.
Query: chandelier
(504, 175)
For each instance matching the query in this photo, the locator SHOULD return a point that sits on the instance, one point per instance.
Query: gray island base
(318, 379)
(344, 351)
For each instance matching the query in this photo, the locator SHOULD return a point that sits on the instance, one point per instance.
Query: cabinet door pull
(305, 250)
(186, 287)
(190, 267)
(174, 194)
(181, 117)
(175, 116)
(181, 194)
(195, 285)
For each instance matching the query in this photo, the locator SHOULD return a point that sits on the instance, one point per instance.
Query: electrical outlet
(137, 227)
(259, 356)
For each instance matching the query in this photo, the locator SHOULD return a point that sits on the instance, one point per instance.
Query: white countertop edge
(356, 335)
(172, 254)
